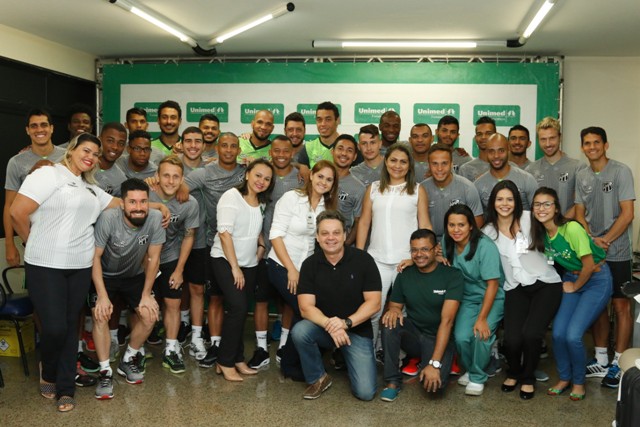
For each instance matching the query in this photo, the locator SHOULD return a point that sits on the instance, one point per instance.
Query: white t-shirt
(61, 233)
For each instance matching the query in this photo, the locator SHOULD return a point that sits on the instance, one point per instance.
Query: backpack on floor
(628, 406)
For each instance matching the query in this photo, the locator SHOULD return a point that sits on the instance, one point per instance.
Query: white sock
(602, 356)
(196, 332)
(129, 353)
(142, 351)
(124, 317)
(80, 349)
(215, 340)
(114, 335)
(261, 337)
(171, 345)
(184, 316)
(88, 323)
(283, 337)
(616, 358)
(105, 366)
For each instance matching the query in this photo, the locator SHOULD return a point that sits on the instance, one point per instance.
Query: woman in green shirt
(587, 286)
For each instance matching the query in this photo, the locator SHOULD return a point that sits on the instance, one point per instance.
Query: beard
(137, 221)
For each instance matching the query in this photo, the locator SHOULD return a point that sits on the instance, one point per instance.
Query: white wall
(24, 47)
(605, 92)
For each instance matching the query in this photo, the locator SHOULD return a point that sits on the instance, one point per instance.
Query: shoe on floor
(104, 390)
(389, 394)
(474, 389)
(87, 337)
(114, 351)
(174, 361)
(279, 356)
(197, 348)
(412, 367)
(541, 375)
(154, 337)
(184, 332)
(87, 363)
(316, 389)
(82, 378)
(493, 367)
(210, 359)
(464, 379)
(131, 371)
(455, 368)
(595, 370)
(260, 358)
(612, 379)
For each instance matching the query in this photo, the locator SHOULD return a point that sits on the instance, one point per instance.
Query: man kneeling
(431, 293)
(338, 292)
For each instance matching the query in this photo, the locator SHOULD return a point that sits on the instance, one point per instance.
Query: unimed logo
(432, 113)
(370, 112)
(151, 108)
(195, 110)
(248, 111)
(308, 111)
(504, 115)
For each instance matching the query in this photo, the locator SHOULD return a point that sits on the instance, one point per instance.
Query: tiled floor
(200, 397)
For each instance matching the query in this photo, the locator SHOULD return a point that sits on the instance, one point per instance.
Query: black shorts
(263, 290)
(161, 285)
(128, 289)
(621, 271)
(196, 267)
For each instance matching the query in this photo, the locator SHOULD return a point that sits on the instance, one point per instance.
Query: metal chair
(16, 309)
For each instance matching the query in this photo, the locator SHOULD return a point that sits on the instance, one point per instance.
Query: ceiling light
(289, 7)
(537, 19)
(407, 44)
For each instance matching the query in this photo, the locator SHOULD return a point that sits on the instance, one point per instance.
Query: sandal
(577, 396)
(557, 391)
(66, 404)
(48, 390)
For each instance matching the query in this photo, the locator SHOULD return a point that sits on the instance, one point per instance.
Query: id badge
(521, 245)
(550, 260)
(311, 220)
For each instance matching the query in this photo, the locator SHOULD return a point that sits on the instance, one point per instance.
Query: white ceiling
(574, 27)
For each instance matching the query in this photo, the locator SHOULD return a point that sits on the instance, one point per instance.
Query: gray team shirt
(366, 174)
(291, 181)
(150, 170)
(459, 160)
(213, 181)
(125, 247)
(350, 194)
(561, 176)
(421, 169)
(183, 217)
(473, 169)
(19, 166)
(526, 184)
(459, 191)
(200, 238)
(601, 194)
(111, 179)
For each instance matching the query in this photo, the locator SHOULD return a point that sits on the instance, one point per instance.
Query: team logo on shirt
(108, 189)
(564, 177)
(439, 291)
(174, 218)
(607, 187)
(72, 184)
(342, 196)
(454, 202)
(456, 168)
(142, 240)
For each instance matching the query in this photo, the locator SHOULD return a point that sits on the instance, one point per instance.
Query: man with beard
(114, 140)
(369, 144)
(125, 264)
(138, 164)
(485, 127)
(169, 119)
(209, 124)
(295, 129)
(497, 149)
(519, 141)
(327, 121)
(350, 189)
(421, 138)
(256, 146)
(446, 189)
(448, 131)
(390, 126)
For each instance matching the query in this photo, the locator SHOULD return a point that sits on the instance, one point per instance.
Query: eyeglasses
(421, 250)
(543, 205)
(141, 149)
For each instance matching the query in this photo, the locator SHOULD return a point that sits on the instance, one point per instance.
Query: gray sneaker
(131, 371)
(104, 389)
(197, 348)
(114, 351)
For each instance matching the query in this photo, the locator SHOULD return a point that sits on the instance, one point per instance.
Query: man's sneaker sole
(104, 397)
(122, 373)
(174, 370)
(261, 365)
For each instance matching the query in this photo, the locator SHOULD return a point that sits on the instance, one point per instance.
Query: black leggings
(58, 296)
(528, 310)
(236, 302)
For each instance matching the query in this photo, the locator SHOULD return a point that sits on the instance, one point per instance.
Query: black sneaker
(141, 361)
(82, 378)
(154, 337)
(612, 379)
(279, 356)
(260, 358)
(184, 332)
(87, 363)
(174, 361)
(123, 334)
(338, 360)
(210, 359)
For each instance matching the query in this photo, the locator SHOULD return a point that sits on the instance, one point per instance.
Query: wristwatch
(435, 363)
(348, 323)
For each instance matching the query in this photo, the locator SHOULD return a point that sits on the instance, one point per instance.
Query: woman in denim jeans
(586, 286)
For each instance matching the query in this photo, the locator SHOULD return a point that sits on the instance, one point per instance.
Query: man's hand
(182, 195)
(148, 302)
(166, 215)
(176, 280)
(481, 330)
(334, 324)
(12, 254)
(602, 243)
(103, 309)
(340, 338)
(391, 318)
(153, 183)
(41, 163)
(462, 152)
(430, 378)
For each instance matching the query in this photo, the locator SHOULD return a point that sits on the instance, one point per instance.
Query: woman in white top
(393, 208)
(54, 213)
(236, 249)
(533, 288)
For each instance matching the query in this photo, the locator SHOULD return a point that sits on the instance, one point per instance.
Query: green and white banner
(420, 92)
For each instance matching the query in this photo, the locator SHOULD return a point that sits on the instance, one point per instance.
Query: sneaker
(123, 334)
(276, 332)
(316, 389)
(154, 337)
(184, 332)
(104, 390)
(260, 358)
(474, 389)
(544, 351)
(174, 362)
(114, 351)
(87, 363)
(210, 359)
(130, 370)
(87, 337)
(596, 370)
(464, 380)
(279, 356)
(389, 394)
(411, 368)
(380, 356)
(82, 378)
(338, 360)
(141, 361)
(612, 379)
(197, 348)
(493, 367)
(455, 368)
(541, 375)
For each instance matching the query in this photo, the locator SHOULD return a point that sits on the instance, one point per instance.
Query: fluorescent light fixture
(289, 7)
(537, 19)
(406, 44)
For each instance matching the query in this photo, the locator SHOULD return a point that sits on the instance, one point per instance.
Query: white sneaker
(464, 380)
(474, 389)
(197, 348)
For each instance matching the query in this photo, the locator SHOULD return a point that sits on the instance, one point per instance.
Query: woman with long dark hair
(481, 309)
(533, 288)
(586, 286)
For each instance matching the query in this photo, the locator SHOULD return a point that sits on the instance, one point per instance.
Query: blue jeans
(578, 310)
(361, 363)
